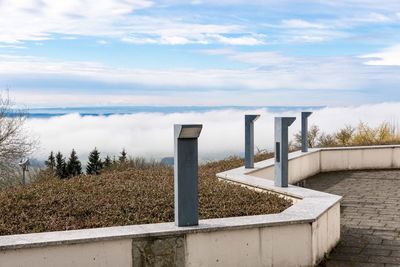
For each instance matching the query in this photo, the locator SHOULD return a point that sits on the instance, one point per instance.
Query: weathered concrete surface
(370, 216)
(268, 246)
(95, 254)
(160, 252)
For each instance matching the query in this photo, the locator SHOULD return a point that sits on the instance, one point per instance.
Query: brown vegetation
(129, 195)
(362, 135)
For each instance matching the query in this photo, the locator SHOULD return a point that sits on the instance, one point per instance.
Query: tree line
(67, 168)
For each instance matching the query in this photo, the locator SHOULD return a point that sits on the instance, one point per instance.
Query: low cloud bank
(151, 134)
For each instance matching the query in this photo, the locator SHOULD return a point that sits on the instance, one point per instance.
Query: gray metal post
(282, 150)
(249, 140)
(304, 131)
(185, 174)
(24, 163)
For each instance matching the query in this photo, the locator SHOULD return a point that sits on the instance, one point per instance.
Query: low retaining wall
(266, 240)
(299, 236)
(303, 165)
(357, 158)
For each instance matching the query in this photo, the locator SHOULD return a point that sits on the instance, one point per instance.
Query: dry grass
(123, 197)
(386, 133)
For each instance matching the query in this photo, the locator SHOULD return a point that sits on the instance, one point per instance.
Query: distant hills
(122, 110)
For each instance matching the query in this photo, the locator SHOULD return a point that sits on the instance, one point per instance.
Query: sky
(200, 52)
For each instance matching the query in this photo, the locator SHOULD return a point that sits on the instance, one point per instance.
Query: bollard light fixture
(186, 174)
(249, 140)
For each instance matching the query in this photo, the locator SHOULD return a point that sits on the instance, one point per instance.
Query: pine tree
(61, 167)
(74, 166)
(94, 164)
(107, 162)
(122, 158)
(50, 162)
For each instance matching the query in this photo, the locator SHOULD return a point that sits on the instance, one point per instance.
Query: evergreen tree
(122, 157)
(50, 162)
(61, 167)
(94, 164)
(107, 162)
(74, 166)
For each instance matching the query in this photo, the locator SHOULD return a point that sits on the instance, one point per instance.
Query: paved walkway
(370, 216)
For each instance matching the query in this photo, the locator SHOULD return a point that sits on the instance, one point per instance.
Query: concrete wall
(100, 254)
(325, 233)
(384, 157)
(281, 245)
(303, 165)
(290, 245)
(265, 246)
(299, 236)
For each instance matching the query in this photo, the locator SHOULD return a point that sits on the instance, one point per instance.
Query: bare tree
(344, 136)
(312, 137)
(15, 141)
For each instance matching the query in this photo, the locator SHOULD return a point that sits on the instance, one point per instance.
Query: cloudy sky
(203, 52)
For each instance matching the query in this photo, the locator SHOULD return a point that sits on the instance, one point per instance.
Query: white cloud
(302, 24)
(243, 40)
(102, 42)
(161, 31)
(305, 31)
(268, 71)
(387, 57)
(340, 24)
(30, 20)
(332, 4)
(374, 17)
(39, 20)
(388, 5)
(151, 134)
(262, 58)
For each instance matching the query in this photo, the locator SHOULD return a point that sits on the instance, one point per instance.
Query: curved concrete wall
(357, 158)
(291, 243)
(299, 236)
(303, 165)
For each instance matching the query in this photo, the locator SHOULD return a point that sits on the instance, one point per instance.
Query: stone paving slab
(370, 216)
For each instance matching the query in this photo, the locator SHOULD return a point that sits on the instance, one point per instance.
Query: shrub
(385, 133)
(125, 196)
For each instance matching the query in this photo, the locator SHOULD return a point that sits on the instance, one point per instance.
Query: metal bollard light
(249, 140)
(24, 164)
(304, 131)
(282, 150)
(186, 174)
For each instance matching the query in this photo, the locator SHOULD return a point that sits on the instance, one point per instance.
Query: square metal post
(249, 140)
(282, 150)
(186, 174)
(304, 131)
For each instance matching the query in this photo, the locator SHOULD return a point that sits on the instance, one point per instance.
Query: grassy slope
(122, 197)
